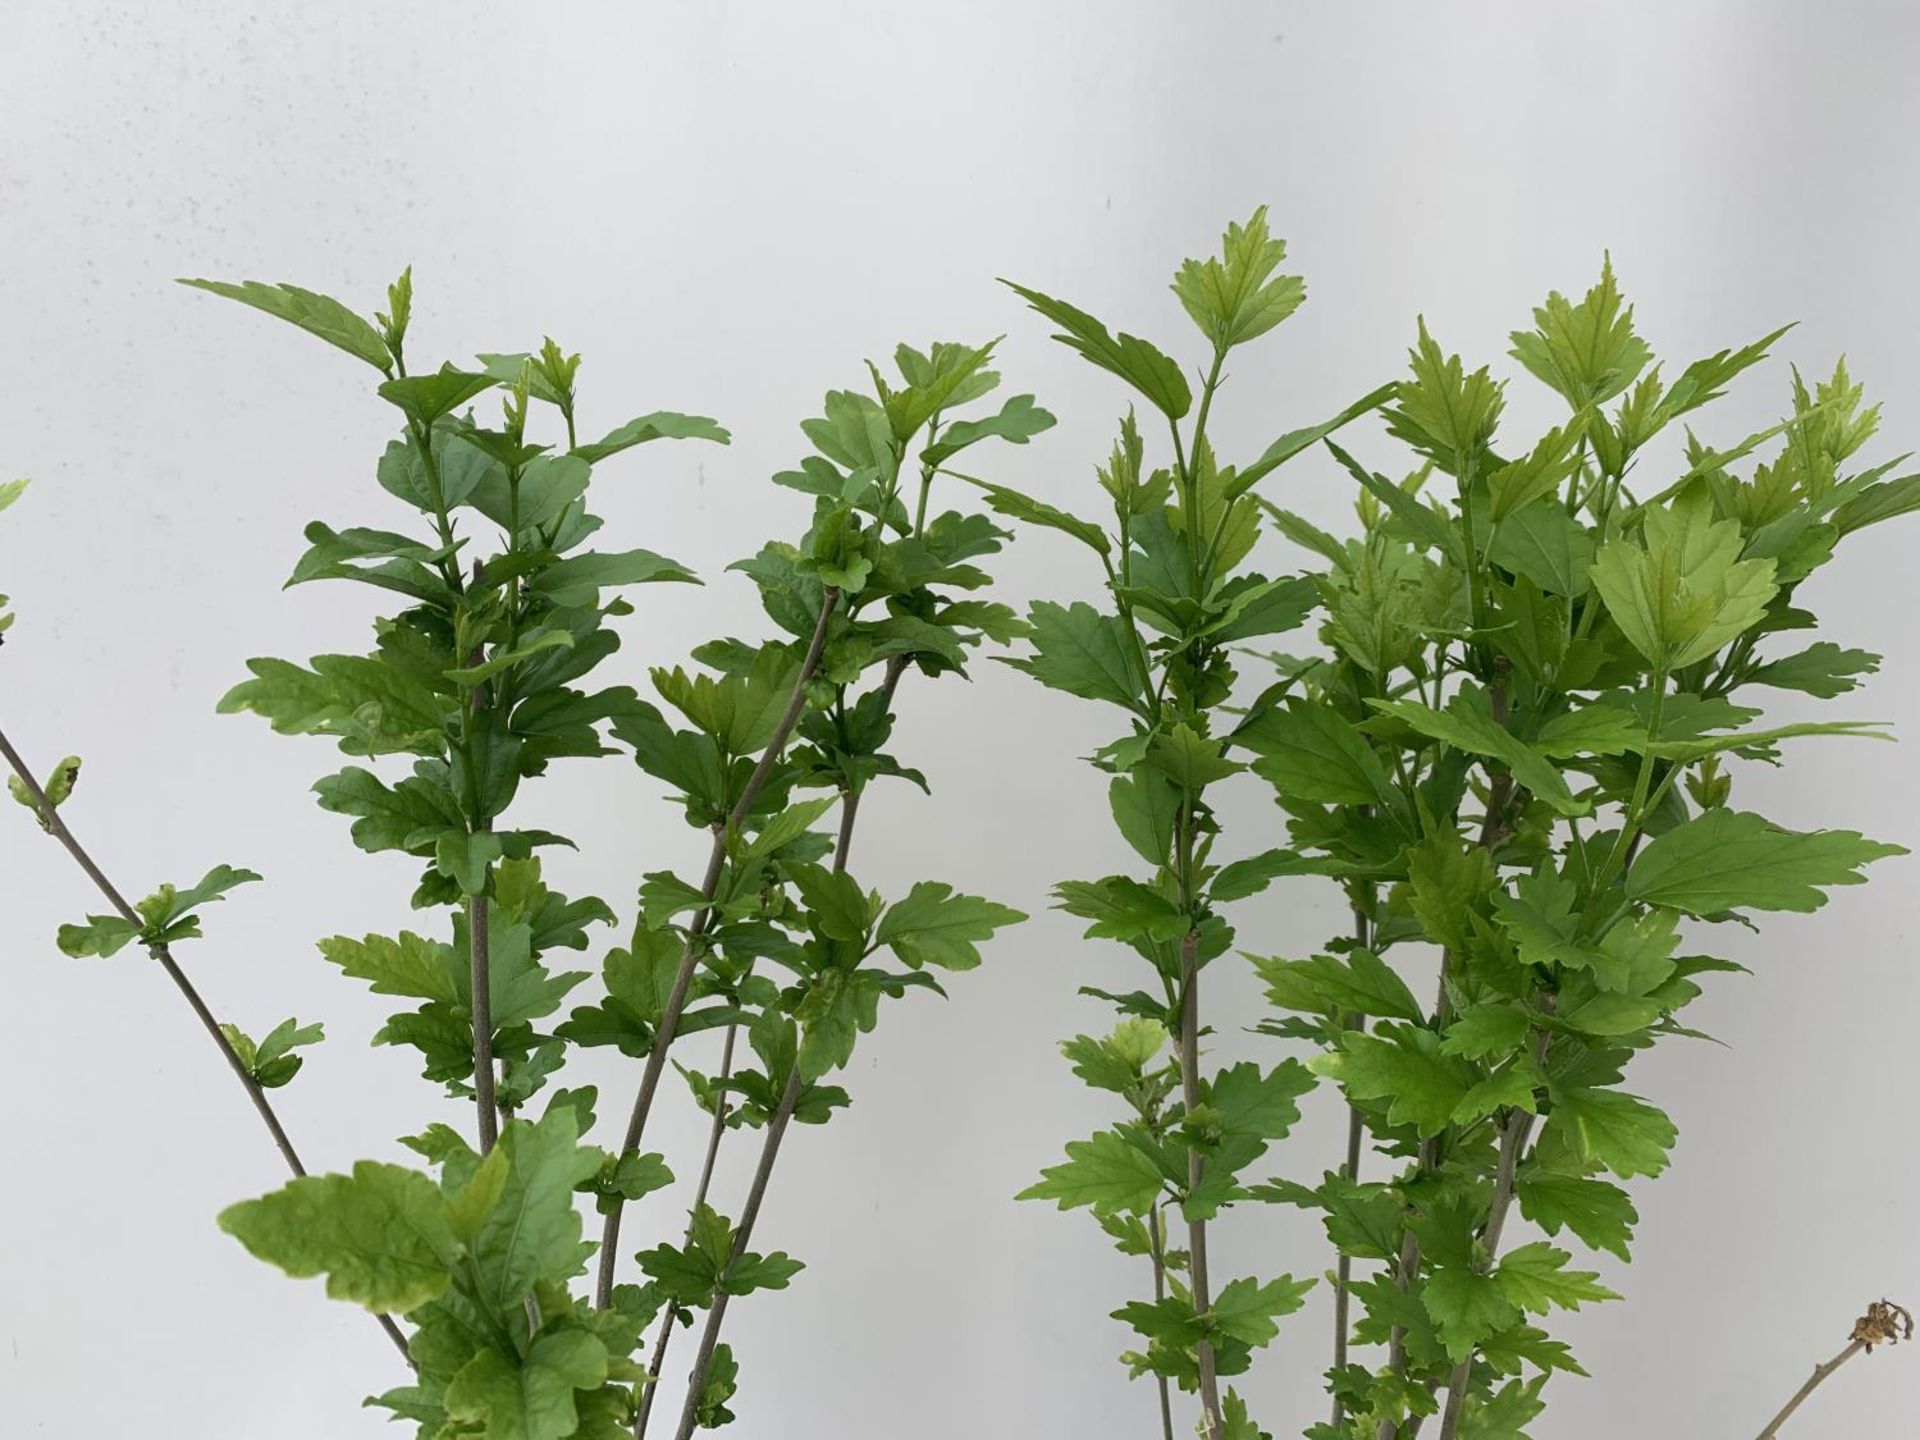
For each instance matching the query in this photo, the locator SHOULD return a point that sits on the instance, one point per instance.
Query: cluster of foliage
(1513, 753)
(1513, 749)
(486, 677)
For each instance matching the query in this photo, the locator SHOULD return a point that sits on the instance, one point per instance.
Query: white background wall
(727, 207)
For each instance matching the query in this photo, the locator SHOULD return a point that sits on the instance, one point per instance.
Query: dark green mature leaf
(1015, 506)
(1600, 1213)
(1144, 804)
(1356, 983)
(1131, 358)
(1822, 669)
(578, 579)
(1262, 1106)
(1733, 860)
(1085, 653)
(1884, 501)
(1248, 1310)
(1544, 544)
(381, 1235)
(934, 926)
(1310, 752)
(660, 425)
(1468, 724)
(1612, 1129)
(406, 964)
(423, 399)
(315, 313)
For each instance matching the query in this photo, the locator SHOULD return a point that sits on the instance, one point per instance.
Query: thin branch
(777, 1127)
(721, 1110)
(669, 1022)
(749, 1214)
(57, 827)
(1212, 1424)
(1884, 1324)
(479, 970)
(1350, 1171)
(1157, 1246)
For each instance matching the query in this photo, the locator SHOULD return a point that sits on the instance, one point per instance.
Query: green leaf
(1309, 752)
(1537, 475)
(1541, 542)
(1419, 519)
(530, 1397)
(752, 1272)
(1248, 1310)
(533, 1232)
(1612, 1129)
(1444, 411)
(1122, 909)
(1600, 1213)
(1588, 352)
(1885, 501)
(1252, 875)
(1356, 983)
(1733, 860)
(1684, 592)
(11, 491)
(1297, 442)
(1015, 506)
(1131, 358)
(578, 579)
(1106, 1172)
(380, 1235)
(1083, 652)
(101, 936)
(464, 858)
(660, 425)
(1144, 804)
(316, 314)
(1237, 297)
(1466, 1307)
(1191, 760)
(1019, 421)
(405, 965)
(1262, 1106)
(934, 926)
(1404, 1066)
(1468, 724)
(423, 399)
(1535, 1277)
(1822, 669)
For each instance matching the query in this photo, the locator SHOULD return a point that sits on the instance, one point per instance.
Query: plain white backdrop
(727, 208)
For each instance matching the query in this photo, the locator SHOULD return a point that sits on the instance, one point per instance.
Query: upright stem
(1513, 1139)
(669, 1023)
(1157, 1246)
(1212, 1425)
(749, 1214)
(721, 1110)
(782, 1117)
(1350, 1172)
(479, 967)
(57, 827)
